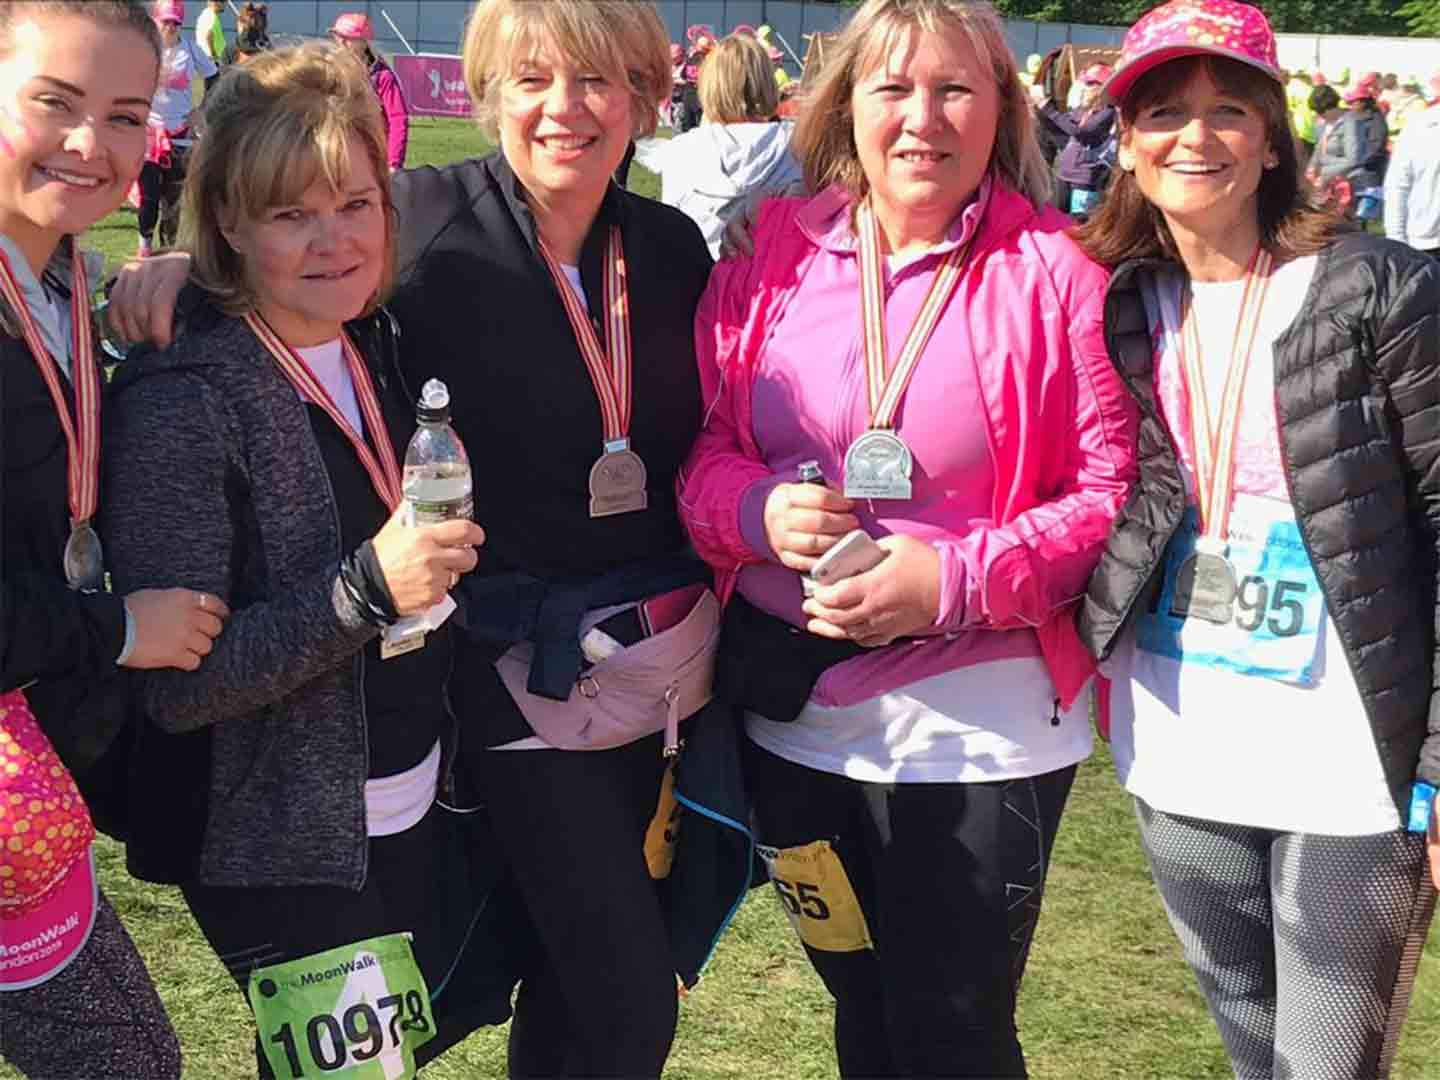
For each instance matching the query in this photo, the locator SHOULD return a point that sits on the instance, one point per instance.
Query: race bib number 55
(817, 895)
(359, 1011)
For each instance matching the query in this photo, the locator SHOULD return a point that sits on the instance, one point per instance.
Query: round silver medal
(617, 484)
(84, 559)
(878, 466)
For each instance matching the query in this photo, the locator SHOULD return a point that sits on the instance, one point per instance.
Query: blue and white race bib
(1276, 616)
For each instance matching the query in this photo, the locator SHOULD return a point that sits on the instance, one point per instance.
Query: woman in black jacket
(1267, 600)
(308, 818)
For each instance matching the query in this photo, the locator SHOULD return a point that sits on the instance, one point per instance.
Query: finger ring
(203, 599)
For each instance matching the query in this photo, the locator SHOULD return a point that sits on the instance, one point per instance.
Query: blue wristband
(1422, 800)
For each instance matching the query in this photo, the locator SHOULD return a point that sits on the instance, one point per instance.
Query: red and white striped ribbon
(1214, 438)
(885, 393)
(82, 431)
(379, 461)
(612, 375)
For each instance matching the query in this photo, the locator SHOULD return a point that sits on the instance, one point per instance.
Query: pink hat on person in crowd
(1367, 87)
(1096, 74)
(353, 25)
(169, 11)
(48, 894)
(1226, 28)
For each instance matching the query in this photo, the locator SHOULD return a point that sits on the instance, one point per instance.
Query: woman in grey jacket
(257, 459)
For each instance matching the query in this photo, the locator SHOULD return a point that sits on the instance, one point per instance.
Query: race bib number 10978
(357, 1011)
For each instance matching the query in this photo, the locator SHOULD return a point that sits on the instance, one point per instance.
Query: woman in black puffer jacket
(1266, 604)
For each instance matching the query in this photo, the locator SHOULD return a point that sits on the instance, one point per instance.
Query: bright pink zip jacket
(1060, 424)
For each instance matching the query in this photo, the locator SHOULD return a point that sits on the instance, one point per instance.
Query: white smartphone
(854, 554)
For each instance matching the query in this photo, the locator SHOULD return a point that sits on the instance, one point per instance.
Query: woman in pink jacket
(354, 31)
(910, 753)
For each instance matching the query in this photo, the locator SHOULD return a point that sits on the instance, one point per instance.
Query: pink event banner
(433, 83)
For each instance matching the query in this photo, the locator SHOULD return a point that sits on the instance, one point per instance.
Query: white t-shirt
(1246, 750)
(327, 363)
(182, 63)
(990, 721)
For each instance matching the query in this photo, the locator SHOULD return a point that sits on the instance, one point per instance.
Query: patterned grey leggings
(1305, 946)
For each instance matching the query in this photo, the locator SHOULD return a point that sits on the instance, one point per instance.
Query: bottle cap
(434, 403)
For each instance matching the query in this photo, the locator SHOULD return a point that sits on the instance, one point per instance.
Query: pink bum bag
(650, 686)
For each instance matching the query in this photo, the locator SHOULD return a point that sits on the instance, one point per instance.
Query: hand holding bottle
(422, 563)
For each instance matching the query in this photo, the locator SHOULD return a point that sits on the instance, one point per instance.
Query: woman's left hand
(898, 598)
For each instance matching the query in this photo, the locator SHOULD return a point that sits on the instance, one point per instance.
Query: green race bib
(359, 1011)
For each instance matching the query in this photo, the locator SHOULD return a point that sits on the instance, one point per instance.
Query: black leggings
(949, 877)
(601, 999)
(417, 881)
(160, 197)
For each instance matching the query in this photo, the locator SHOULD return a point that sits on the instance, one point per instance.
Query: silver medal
(617, 483)
(878, 466)
(1205, 588)
(84, 559)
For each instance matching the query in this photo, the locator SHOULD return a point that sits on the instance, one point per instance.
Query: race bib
(817, 895)
(1266, 621)
(664, 830)
(359, 1011)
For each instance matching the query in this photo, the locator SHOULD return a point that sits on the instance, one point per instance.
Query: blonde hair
(272, 128)
(824, 139)
(623, 39)
(737, 82)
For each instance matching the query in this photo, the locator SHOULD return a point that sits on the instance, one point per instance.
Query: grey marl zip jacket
(214, 482)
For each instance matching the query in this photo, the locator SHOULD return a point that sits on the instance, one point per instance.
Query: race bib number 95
(817, 895)
(1265, 622)
(359, 1011)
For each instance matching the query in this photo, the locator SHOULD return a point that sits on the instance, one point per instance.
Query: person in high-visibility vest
(210, 35)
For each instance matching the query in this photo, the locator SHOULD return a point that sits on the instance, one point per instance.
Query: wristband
(1422, 803)
(129, 646)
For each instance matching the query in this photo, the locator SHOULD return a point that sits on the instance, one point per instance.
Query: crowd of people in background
(816, 566)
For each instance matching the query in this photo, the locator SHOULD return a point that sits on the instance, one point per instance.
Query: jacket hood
(736, 158)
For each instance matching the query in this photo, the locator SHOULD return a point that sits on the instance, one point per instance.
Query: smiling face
(1198, 153)
(925, 118)
(74, 96)
(315, 264)
(564, 128)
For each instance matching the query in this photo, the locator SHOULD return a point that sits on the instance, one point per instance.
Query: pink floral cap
(168, 11)
(1098, 74)
(354, 25)
(1181, 28)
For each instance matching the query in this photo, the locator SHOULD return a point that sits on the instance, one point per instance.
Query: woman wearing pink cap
(353, 31)
(76, 78)
(1267, 601)
(170, 126)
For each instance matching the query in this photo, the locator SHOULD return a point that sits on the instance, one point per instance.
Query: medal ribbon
(611, 376)
(82, 431)
(885, 393)
(384, 470)
(1215, 440)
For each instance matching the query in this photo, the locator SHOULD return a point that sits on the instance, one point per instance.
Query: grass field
(1107, 994)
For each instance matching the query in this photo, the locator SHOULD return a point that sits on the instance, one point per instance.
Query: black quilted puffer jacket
(1357, 389)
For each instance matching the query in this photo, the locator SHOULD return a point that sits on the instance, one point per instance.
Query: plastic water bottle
(437, 469)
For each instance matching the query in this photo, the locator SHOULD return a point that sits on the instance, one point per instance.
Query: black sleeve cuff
(364, 581)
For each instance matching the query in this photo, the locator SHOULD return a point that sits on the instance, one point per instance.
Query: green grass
(1107, 994)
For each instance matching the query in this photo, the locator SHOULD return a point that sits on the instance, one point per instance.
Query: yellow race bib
(818, 897)
(664, 829)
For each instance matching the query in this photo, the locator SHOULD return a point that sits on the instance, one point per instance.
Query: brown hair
(824, 138)
(121, 14)
(272, 128)
(737, 82)
(622, 38)
(1128, 226)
